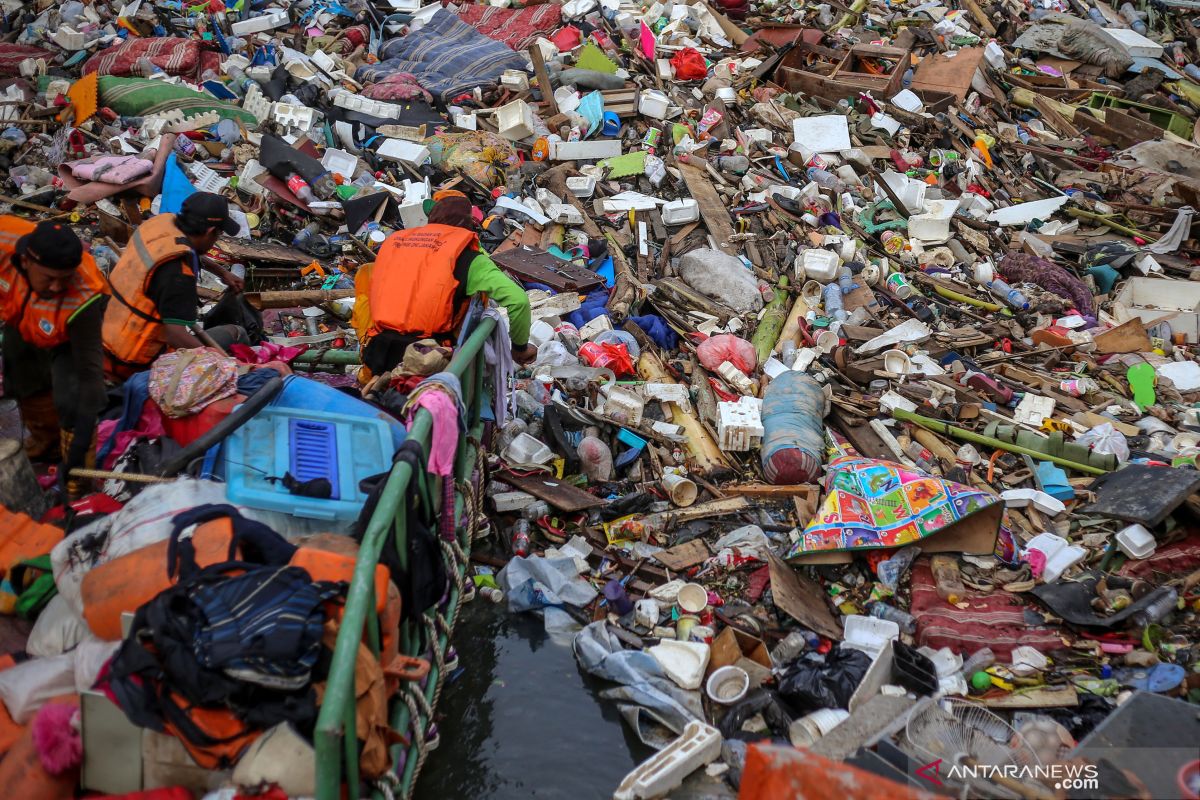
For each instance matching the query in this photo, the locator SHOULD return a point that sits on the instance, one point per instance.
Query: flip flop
(1141, 381)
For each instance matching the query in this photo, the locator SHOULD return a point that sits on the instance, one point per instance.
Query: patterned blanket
(172, 56)
(11, 56)
(447, 56)
(137, 97)
(516, 27)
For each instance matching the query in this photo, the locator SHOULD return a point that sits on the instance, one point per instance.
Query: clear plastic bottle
(826, 179)
(511, 430)
(301, 239)
(947, 577)
(791, 647)
(596, 458)
(147, 68)
(1158, 609)
(300, 188)
(1008, 294)
(520, 537)
(881, 610)
(832, 297)
(980, 660)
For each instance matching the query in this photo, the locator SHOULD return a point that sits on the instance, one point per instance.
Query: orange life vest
(413, 287)
(41, 322)
(134, 333)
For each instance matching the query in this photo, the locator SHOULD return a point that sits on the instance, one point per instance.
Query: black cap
(53, 245)
(208, 210)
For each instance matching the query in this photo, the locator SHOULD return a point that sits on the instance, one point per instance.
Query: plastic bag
(689, 65)
(26, 687)
(610, 356)
(1106, 440)
(726, 347)
(58, 629)
(810, 685)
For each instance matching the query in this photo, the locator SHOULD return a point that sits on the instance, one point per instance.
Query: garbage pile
(846, 391)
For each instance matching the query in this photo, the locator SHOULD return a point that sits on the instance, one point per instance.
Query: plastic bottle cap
(952, 599)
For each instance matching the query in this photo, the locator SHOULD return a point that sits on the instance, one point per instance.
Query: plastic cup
(727, 685)
(680, 489)
(899, 285)
(693, 598)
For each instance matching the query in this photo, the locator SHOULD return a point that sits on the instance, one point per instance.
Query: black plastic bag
(763, 701)
(810, 685)
(232, 308)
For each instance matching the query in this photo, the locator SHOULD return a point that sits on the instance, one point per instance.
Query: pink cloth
(149, 426)
(444, 442)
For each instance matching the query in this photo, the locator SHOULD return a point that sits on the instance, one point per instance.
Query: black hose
(240, 416)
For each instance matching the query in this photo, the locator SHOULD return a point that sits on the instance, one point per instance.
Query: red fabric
(397, 86)
(172, 56)
(11, 56)
(995, 620)
(517, 28)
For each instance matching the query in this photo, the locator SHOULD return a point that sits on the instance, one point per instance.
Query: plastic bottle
(881, 610)
(826, 179)
(300, 188)
(846, 280)
(147, 68)
(239, 83)
(568, 334)
(832, 299)
(1008, 294)
(520, 538)
(1157, 610)
(980, 660)
(791, 647)
(535, 510)
(306, 235)
(736, 165)
(596, 459)
(491, 593)
(1133, 17)
(946, 575)
(1192, 71)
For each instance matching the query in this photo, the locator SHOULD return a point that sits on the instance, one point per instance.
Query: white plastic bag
(26, 687)
(1106, 440)
(57, 630)
(90, 657)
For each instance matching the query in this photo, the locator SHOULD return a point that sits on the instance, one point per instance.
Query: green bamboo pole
(774, 315)
(937, 426)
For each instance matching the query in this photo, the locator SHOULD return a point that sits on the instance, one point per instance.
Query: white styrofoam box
(68, 38)
(911, 192)
(828, 133)
(817, 264)
(246, 182)
(1132, 41)
(759, 135)
(400, 150)
(365, 105)
(1151, 298)
(933, 225)
(869, 634)
(653, 103)
(565, 213)
(582, 185)
(585, 151)
(735, 377)
(595, 327)
(1059, 553)
(665, 770)
(468, 122)
(205, 179)
(549, 49)
(1136, 542)
(514, 120)
(514, 79)
(739, 425)
(773, 367)
(907, 100)
(668, 393)
(256, 103)
(567, 99)
(405, 6)
(511, 501)
(272, 19)
(340, 162)
(293, 116)
(1033, 409)
(681, 211)
(625, 403)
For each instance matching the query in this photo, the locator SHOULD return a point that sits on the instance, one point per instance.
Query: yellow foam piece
(84, 96)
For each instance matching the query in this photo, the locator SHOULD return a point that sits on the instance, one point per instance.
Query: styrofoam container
(514, 120)
(1059, 554)
(264, 22)
(526, 449)
(511, 501)
(869, 634)
(680, 212)
(818, 265)
(727, 685)
(1136, 542)
(682, 662)
(665, 770)
(582, 185)
(654, 103)
(340, 162)
(403, 150)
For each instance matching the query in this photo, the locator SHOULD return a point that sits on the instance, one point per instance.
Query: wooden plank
(980, 17)
(1128, 337)
(682, 556)
(1041, 697)
(801, 598)
(713, 508)
(543, 79)
(712, 207)
(560, 494)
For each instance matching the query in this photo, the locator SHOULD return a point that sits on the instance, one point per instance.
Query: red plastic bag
(689, 65)
(610, 356)
(726, 347)
(567, 38)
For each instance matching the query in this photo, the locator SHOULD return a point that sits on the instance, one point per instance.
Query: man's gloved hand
(524, 355)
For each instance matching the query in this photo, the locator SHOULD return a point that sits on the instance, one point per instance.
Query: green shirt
(484, 276)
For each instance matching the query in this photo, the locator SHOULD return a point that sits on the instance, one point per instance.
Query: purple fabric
(1048, 275)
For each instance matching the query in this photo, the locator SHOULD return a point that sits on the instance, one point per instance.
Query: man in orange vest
(421, 284)
(52, 299)
(155, 301)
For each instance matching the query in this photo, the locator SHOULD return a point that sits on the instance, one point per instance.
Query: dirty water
(520, 720)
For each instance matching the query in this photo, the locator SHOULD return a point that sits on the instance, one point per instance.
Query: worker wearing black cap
(52, 299)
(155, 299)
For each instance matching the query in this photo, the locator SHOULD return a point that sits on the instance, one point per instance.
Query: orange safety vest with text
(413, 287)
(134, 333)
(41, 321)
